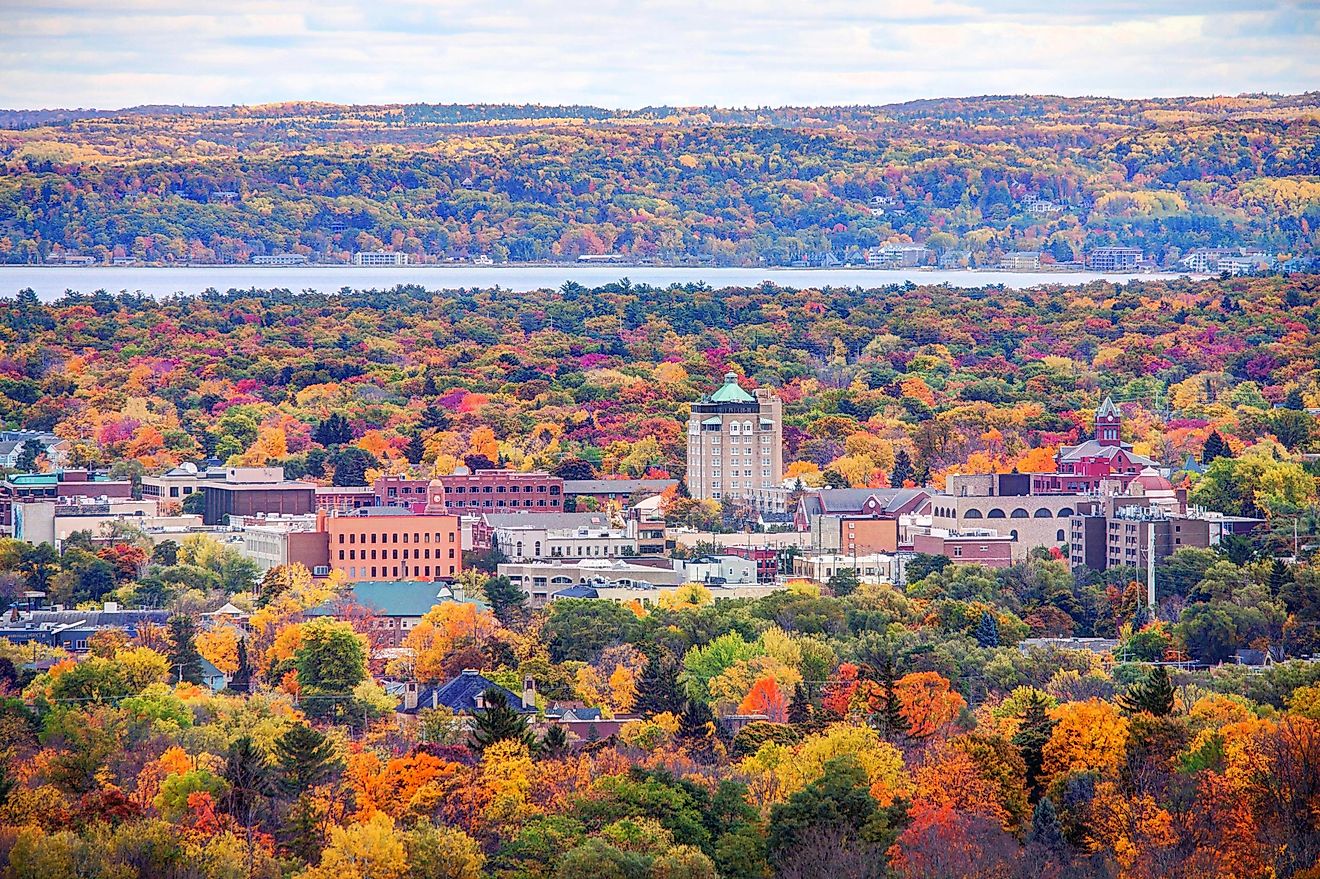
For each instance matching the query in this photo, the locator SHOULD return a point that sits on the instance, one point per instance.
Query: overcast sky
(614, 53)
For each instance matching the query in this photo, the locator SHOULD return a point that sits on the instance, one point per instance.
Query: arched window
(995, 513)
(1065, 512)
(972, 514)
(1013, 534)
(1044, 513)
(1058, 535)
(1020, 513)
(538, 549)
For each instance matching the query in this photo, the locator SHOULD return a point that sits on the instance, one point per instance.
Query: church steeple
(1109, 424)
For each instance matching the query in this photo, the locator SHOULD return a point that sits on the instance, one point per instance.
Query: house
(11, 451)
(465, 694)
(396, 606)
(213, 677)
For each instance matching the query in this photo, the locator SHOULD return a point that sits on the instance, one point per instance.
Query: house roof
(616, 486)
(860, 500)
(460, 694)
(1093, 449)
(580, 591)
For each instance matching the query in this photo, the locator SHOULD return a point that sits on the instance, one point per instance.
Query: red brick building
(489, 491)
(1084, 467)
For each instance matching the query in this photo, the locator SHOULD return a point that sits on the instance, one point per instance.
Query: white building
(380, 258)
(874, 568)
(179, 482)
(280, 259)
(1021, 261)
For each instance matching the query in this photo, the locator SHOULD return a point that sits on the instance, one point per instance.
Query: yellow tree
(445, 627)
(219, 646)
(369, 850)
(1088, 736)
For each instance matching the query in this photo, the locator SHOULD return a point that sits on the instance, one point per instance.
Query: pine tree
(416, 449)
(1214, 447)
(554, 743)
(695, 728)
(657, 689)
(499, 721)
(506, 600)
(250, 780)
(1046, 830)
(1280, 578)
(1153, 695)
(435, 418)
(1033, 732)
(799, 710)
(241, 682)
(889, 719)
(902, 471)
(333, 431)
(987, 631)
(304, 758)
(183, 656)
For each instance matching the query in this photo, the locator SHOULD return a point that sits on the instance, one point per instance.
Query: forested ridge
(722, 186)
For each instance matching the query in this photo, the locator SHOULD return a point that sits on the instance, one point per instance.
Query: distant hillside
(971, 178)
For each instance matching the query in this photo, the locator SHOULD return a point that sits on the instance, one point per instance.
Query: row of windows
(396, 571)
(540, 502)
(423, 537)
(996, 513)
(353, 554)
(500, 489)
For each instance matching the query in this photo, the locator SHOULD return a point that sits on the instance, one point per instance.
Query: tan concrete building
(735, 443)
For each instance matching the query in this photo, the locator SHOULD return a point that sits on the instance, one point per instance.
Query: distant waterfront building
(1021, 261)
(1041, 207)
(735, 443)
(280, 259)
(380, 258)
(1115, 259)
(74, 259)
(897, 256)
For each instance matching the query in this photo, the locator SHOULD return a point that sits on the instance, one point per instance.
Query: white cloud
(619, 53)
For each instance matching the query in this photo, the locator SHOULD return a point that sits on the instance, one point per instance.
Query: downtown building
(735, 443)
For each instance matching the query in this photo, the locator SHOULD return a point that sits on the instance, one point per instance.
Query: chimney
(529, 693)
(111, 606)
(410, 696)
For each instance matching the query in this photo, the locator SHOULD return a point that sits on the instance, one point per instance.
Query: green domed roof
(731, 392)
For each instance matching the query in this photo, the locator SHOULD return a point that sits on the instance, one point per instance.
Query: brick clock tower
(1108, 424)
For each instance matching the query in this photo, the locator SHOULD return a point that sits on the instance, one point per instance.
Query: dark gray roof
(855, 500)
(616, 486)
(546, 520)
(460, 694)
(580, 591)
(1093, 449)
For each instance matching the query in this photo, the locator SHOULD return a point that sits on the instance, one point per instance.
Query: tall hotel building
(735, 443)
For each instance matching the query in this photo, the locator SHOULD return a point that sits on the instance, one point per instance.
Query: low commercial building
(247, 491)
(874, 568)
(531, 536)
(179, 482)
(273, 541)
(491, 491)
(1021, 261)
(343, 498)
(765, 558)
(624, 580)
(984, 547)
(55, 521)
(1004, 502)
(61, 485)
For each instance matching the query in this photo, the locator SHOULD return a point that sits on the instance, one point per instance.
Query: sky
(614, 53)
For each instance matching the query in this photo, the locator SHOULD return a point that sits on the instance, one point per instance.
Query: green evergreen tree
(696, 727)
(844, 582)
(889, 720)
(184, 659)
(351, 466)
(304, 758)
(902, 471)
(1280, 578)
(241, 682)
(250, 780)
(1033, 732)
(499, 721)
(987, 630)
(1214, 447)
(435, 418)
(1046, 829)
(333, 431)
(416, 449)
(506, 600)
(799, 709)
(657, 688)
(554, 743)
(1154, 694)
